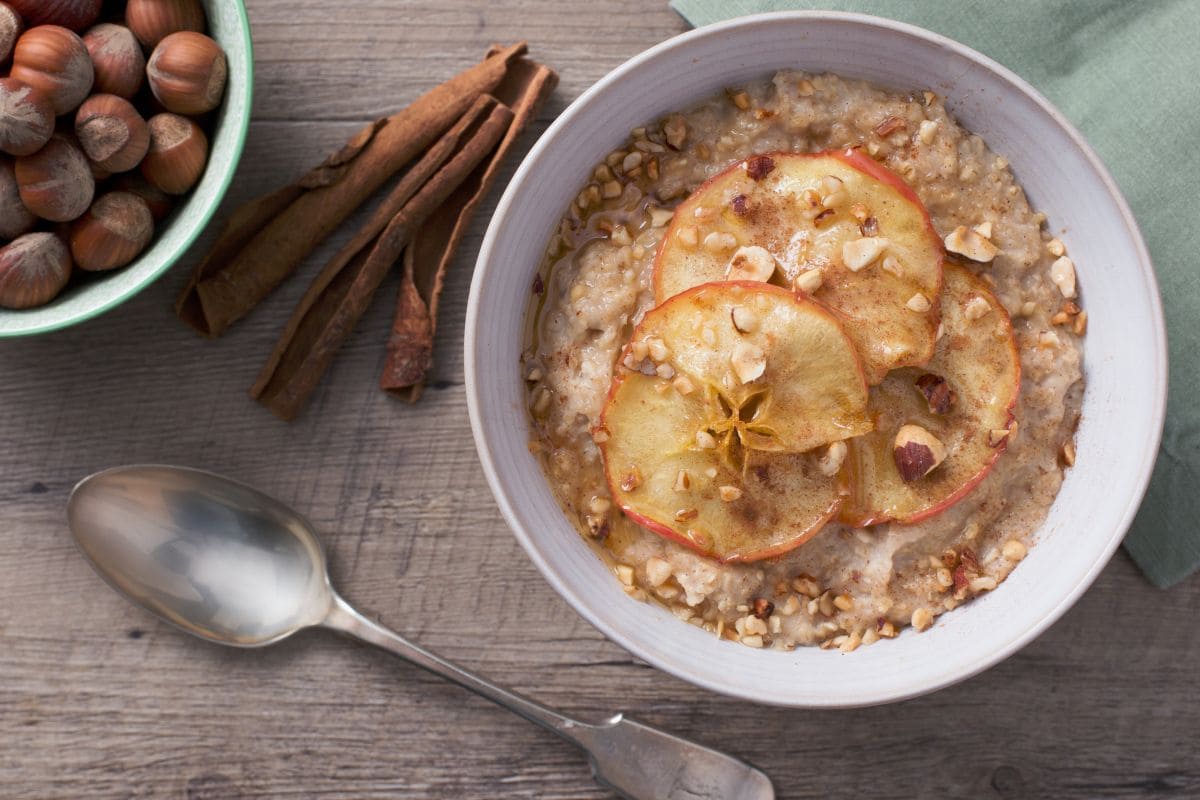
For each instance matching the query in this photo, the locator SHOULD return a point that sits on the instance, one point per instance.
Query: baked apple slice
(941, 427)
(834, 225)
(719, 396)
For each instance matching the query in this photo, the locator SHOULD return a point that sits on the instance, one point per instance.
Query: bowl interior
(84, 299)
(1125, 348)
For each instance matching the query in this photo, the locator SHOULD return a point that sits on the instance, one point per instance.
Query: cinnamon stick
(342, 291)
(266, 239)
(410, 347)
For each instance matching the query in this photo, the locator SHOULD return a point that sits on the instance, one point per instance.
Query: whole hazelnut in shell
(178, 153)
(187, 73)
(26, 118)
(11, 26)
(34, 268)
(54, 61)
(117, 59)
(152, 20)
(73, 14)
(15, 218)
(112, 133)
(113, 232)
(56, 182)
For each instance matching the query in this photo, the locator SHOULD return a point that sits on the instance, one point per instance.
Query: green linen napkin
(1126, 74)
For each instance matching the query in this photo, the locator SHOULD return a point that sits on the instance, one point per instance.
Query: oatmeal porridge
(804, 365)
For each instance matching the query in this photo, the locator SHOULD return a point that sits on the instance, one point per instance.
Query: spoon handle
(638, 761)
(345, 618)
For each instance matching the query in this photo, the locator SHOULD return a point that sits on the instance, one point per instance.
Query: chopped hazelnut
(752, 263)
(861, 253)
(660, 217)
(1062, 272)
(918, 303)
(809, 280)
(831, 461)
(763, 608)
(749, 362)
(971, 244)
(744, 320)
(717, 242)
(917, 452)
(976, 308)
(657, 571)
(1014, 550)
(922, 619)
(927, 130)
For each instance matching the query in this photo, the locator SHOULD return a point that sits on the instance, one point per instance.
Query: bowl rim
(485, 264)
(200, 221)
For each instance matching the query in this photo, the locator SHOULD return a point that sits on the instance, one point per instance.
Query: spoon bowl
(212, 556)
(229, 564)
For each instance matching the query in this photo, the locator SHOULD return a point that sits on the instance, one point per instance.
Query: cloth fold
(1125, 74)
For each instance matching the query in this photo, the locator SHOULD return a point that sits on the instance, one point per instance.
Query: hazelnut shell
(55, 61)
(34, 268)
(187, 73)
(11, 27)
(117, 58)
(178, 153)
(15, 218)
(112, 133)
(153, 20)
(73, 14)
(26, 118)
(113, 232)
(56, 182)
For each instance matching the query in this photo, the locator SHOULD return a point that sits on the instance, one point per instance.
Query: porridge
(804, 365)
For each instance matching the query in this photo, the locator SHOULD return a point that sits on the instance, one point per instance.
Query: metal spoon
(231, 565)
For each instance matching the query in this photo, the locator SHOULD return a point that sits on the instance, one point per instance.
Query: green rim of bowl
(231, 133)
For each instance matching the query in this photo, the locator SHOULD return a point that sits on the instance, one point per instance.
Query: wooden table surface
(99, 700)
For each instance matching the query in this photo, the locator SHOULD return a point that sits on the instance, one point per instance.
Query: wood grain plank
(99, 700)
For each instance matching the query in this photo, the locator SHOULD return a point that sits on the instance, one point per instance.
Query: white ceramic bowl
(1125, 352)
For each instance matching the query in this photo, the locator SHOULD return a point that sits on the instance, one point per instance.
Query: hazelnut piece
(971, 243)
(56, 182)
(26, 118)
(749, 362)
(73, 14)
(187, 73)
(917, 452)
(763, 608)
(937, 393)
(15, 218)
(153, 20)
(159, 202)
(113, 232)
(751, 263)
(178, 153)
(861, 253)
(112, 133)
(54, 61)
(10, 30)
(117, 58)
(34, 268)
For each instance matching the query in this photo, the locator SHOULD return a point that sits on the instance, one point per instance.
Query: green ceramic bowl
(85, 299)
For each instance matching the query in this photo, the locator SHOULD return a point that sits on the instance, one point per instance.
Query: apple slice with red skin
(717, 397)
(805, 209)
(965, 397)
